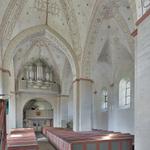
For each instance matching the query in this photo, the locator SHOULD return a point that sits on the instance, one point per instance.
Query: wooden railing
(2, 125)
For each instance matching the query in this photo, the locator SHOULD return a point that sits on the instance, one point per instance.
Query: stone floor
(45, 145)
(43, 142)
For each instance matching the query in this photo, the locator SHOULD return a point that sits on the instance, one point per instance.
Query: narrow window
(105, 98)
(124, 93)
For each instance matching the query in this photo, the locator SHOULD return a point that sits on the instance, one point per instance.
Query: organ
(38, 75)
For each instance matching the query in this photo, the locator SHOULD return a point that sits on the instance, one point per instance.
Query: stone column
(82, 103)
(12, 110)
(64, 110)
(1, 71)
(1, 87)
(9, 91)
(142, 87)
(76, 105)
(5, 85)
(56, 113)
(19, 108)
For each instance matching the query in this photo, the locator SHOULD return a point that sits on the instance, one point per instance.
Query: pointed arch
(98, 16)
(54, 38)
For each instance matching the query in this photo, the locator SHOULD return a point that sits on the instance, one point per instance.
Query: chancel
(74, 74)
(37, 114)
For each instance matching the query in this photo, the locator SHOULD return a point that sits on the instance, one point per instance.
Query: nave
(81, 65)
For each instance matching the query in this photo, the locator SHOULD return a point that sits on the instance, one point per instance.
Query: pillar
(1, 70)
(56, 113)
(76, 105)
(64, 110)
(19, 111)
(9, 91)
(82, 103)
(142, 88)
(1, 87)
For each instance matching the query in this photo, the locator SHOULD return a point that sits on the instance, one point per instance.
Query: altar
(38, 123)
(38, 114)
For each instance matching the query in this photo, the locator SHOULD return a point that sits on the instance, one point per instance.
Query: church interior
(74, 74)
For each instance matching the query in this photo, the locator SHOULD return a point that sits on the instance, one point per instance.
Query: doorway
(37, 113)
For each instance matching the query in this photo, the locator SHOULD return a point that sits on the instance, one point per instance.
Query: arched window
(124, 93)
(105, 98)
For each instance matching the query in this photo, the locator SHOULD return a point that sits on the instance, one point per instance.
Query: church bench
(22, 144)
(73, 135)
(69, 140)
(82, 143)
(22, 130)
(113, 144)
(22, 139)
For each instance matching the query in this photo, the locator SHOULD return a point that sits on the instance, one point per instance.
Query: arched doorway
(37, 113)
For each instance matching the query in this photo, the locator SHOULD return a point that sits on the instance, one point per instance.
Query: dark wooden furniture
(2, 124)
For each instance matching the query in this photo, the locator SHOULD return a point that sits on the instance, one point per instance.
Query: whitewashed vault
(83, 46)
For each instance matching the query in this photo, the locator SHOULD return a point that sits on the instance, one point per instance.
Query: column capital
(5, 71)
(64, 96)
(83, 79)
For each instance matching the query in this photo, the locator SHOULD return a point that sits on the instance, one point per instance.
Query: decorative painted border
(140, 20)
(85, 79)
(63, 95)
(134, 33)
(5, 71)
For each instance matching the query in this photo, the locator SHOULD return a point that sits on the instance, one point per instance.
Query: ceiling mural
(38, 49)
(80, 23)
(9, 20)
(51, 5)
(145, 5)
(142, 6)
(107, 15)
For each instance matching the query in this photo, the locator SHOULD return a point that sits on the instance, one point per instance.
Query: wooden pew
(64, 139)
(22, 139)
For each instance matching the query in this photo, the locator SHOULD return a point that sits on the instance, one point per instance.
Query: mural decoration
(72, 22)
(12, 13)
(53, 8)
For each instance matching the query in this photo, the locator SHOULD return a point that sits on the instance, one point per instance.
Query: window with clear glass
(105, 98)
(124, 93)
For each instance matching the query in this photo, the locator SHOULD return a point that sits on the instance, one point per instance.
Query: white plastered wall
(24, 98)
